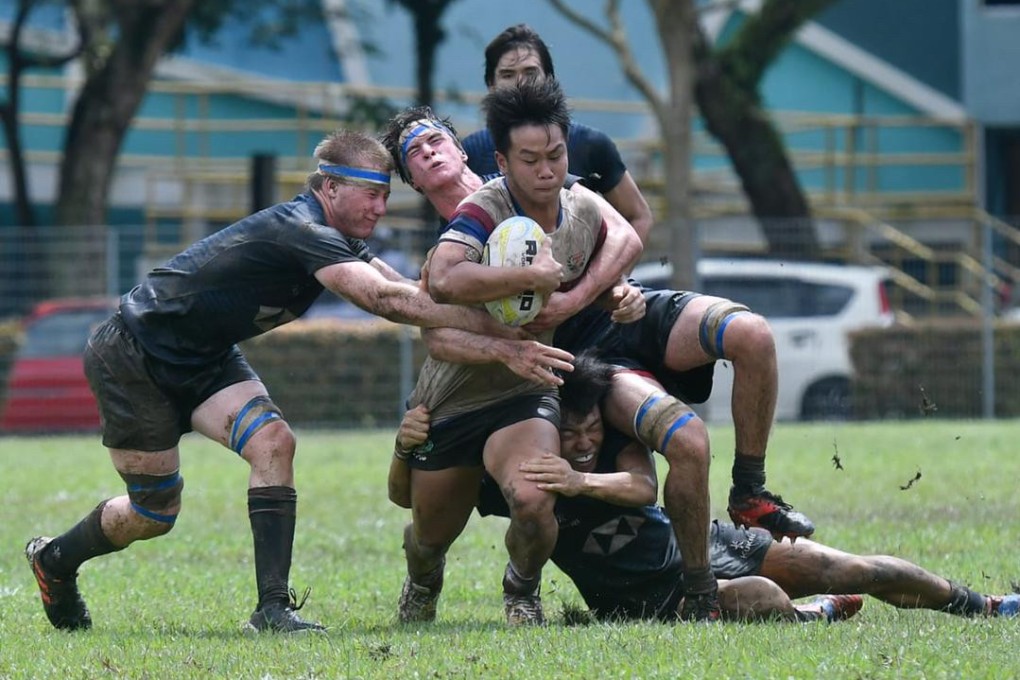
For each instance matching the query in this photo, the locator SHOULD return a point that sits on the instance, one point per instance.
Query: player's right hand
(414, 428)
(546, 272)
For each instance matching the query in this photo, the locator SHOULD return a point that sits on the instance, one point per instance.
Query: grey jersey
(450, 389)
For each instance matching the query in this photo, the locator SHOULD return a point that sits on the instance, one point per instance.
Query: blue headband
(355, 173)
(423, 125)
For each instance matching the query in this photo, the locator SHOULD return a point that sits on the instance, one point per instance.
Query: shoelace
(294, 604)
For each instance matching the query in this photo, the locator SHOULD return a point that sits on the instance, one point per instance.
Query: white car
(811, 309)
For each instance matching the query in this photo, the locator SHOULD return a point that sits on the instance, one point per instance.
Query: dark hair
(537, 101)
(519, 36)
(586, 386)
(394, 129)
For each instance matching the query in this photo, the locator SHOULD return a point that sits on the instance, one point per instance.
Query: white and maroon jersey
(450, 389)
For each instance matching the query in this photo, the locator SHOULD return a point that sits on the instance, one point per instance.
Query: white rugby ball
(514, 243)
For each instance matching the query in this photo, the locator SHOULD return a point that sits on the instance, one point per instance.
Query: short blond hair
(352, 149)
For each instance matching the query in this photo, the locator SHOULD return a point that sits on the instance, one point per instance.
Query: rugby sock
(964, 602)
(515, 584)
(700, 581)
(80, 543)
(748, 473)
(272, 511)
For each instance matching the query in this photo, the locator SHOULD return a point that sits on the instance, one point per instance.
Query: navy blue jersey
(623, 561)
(592, 156)
(242, 281)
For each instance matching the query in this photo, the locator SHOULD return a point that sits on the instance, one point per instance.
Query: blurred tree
(21, 58)
(725, 82)
(428, 36)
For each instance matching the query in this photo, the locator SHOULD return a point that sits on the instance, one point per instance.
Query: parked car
(811, 308)
(46, 389)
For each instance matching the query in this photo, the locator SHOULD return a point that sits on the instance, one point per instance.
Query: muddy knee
(156, 498)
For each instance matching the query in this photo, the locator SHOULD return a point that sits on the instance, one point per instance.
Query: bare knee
(531, 509)
(749, 335)
(752, 598)
(690, 449)
(274, 446)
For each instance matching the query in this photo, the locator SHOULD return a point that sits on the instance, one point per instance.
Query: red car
(46, 388)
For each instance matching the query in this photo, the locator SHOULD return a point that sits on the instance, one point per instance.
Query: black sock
(515, 584)
(748, 473)
(964, 602)
(272, 511)
(700, 581)
(80, 543)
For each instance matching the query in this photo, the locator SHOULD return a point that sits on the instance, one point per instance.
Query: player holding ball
(485, 418)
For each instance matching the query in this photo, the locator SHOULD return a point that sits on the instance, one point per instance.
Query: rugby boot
(834, 608)
(282, 617)
(701, 607)
(523, 607)
(764, 509)
(61, 600)
(1002, 605)
(417, 602)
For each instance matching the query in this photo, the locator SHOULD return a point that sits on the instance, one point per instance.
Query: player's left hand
(556, 309)
(625, 301)
(553, 473)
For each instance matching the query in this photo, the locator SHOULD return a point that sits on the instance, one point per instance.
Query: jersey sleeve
(317, 246)
(598, 160)
(470, 225)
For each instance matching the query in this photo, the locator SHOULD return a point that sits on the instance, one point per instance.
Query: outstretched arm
(528, 359)
(368, 288)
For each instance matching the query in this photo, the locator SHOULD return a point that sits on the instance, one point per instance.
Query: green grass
(173, 607)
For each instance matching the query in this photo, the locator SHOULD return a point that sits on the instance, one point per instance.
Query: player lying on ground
(675, 345)
(616, 546)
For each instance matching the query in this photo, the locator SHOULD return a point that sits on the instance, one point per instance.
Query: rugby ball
(514, 243)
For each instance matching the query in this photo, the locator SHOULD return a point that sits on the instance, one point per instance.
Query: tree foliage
(726, 85)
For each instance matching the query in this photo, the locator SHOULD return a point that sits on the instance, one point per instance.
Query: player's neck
(446, 198)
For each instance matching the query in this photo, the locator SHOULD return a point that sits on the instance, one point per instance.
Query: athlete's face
(354, 208)
(581, 438)
(433, 159)
(536, 163)
(516, 65)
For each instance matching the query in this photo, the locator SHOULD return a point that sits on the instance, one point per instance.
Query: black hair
(519, 36)
(536, 101)
(586, 386)
(394, 128)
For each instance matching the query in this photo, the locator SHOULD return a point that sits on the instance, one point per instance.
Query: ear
(500, 161)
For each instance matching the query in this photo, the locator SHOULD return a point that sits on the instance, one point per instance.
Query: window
(781, 298)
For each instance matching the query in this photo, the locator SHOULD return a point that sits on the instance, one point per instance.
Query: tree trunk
(107, 104)
(100, 118)
(760, 161)
(726, 88)
(675, 24)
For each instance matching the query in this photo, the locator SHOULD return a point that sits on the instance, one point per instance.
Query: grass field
(174, 607)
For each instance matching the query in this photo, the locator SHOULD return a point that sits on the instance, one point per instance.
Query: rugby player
(167, 363)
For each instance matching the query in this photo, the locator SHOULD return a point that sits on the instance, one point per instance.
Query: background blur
(897, 124)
